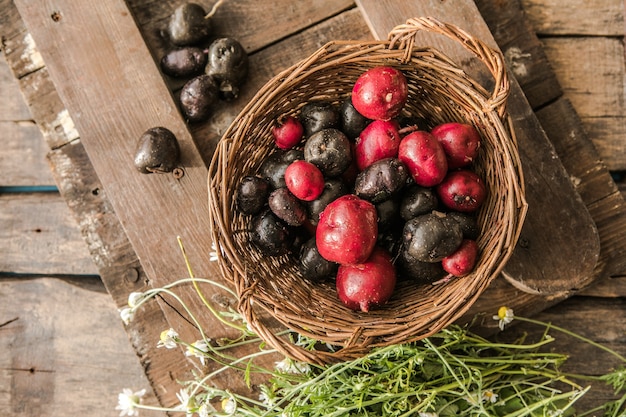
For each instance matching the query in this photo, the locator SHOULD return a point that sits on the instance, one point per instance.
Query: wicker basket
(273, 295)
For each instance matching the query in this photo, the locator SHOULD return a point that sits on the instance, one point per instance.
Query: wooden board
(37, 231)
(126, 264)
(47, 363)
(575, 146)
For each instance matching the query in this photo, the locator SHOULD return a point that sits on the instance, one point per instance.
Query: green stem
(575, 335)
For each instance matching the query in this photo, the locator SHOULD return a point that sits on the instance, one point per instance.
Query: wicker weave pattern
(271, 290)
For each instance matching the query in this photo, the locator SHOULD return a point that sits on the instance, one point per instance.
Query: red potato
(462, 261)
(347, 230)
(287, 132)
(424, 157)
(460, 142)
(462, 191)
(369, 284)
(380, 93)
(304, 180)
(379, 140)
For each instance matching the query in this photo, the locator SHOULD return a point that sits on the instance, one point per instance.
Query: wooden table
(49, 273)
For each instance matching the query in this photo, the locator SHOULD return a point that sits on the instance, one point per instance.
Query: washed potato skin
(228, 65)
(270, 235)
(431, 237)
(330, 150)
(417, 200)
(352, 122)
(184, 62)
(368, 285)
(287, 207)
(312, 265)
(381, 180)
(468, 222)
(157, 151)
(409, 268)
(347, 230)
(187, 25)
(252, 194)
(198, 97)
(319, 115)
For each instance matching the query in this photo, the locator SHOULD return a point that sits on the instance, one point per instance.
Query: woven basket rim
(258, 298)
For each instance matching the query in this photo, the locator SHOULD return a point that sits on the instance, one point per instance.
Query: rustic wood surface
(579, 313)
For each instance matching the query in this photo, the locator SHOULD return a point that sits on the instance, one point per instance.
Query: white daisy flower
(490, 396)
(504, 316)
(127, 315)
(289, 366)
(169, 339)
(186, 402)
(128, 400)
(198, 349)
(229, 406)
(134, 298)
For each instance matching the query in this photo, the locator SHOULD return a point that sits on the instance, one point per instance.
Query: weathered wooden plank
(245, 20)
(64, 351)
(40, 95)
(10, 110)
(22, 160)
(563, 126)
(595, 86)
(522, 50)
(539, 263)
(580, 17)
(110, 116)
(39, 236)
(23, 157)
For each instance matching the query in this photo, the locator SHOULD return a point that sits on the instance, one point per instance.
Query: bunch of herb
(452, 373)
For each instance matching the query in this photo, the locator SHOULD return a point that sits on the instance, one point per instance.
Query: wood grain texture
(11, 110)
(23, 160)
(120, 267)
(74, 366)
(37, 232)
(580, 17)
(539, 263)
(591, 73)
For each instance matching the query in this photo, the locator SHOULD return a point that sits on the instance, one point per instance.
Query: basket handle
(404, 37)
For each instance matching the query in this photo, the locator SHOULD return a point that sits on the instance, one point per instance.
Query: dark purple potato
(270, 235)
(287, 207)
(352, 122)
(431, 237)
(387, 214)
(197, 98)
(468, 222)
(184, 62)
(228, 65)
(413, 269)
(381, 180)
(317, 115)
(329, 150)
(391, 239)
(188, 26)
(274, 166)
(252, 194)
(157, 151)
(333, 189)
(312, 265)
(417, 200)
